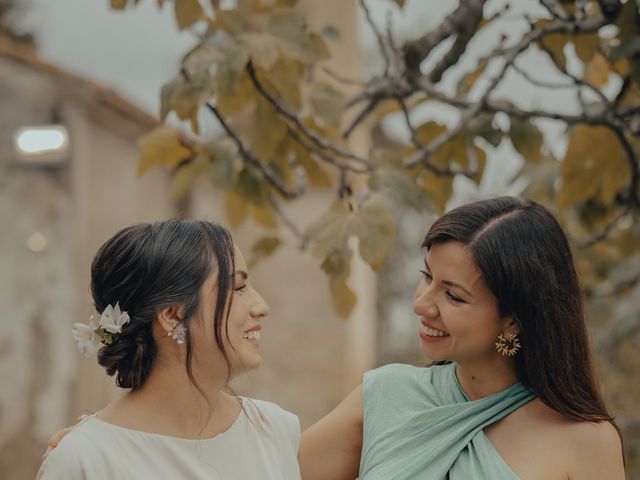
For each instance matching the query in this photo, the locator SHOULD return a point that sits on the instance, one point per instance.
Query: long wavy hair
(526, 262)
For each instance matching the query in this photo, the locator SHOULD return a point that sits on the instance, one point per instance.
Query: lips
(427, 325)
(253, 333)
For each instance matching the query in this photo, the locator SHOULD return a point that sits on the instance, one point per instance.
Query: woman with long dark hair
(511, 393)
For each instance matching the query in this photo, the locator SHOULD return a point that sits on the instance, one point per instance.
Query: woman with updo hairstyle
(178, 318)
(510, 391)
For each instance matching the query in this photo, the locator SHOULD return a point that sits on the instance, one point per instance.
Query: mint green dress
(419, 424)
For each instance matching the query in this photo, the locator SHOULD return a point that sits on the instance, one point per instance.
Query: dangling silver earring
(178, 333)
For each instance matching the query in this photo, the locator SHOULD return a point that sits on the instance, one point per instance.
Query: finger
(44, 455)
(56, 437)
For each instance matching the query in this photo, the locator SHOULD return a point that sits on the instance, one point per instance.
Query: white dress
(262, 443)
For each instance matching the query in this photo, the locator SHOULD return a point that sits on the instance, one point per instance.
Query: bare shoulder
(589, 449)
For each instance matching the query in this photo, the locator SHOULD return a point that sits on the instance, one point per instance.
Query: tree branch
(295, 121)
(251, 159)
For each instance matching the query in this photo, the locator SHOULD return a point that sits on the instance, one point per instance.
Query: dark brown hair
(527, 263)
(148, 267)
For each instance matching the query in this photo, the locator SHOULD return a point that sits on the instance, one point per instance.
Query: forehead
(453, 261)
(240, 262)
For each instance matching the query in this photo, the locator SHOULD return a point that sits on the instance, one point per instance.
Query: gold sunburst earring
(508, 344)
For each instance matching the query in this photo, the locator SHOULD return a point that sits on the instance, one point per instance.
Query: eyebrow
(449, 283)
(243, 274)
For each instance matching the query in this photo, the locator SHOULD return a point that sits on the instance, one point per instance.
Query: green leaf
(627, 48)
(375, 228)
(187, 12)
(161, 146)
(251, 186)
(392, 178)
(527, 139)
(331, 231)
(166, 93)
(225, 168)
(263, 248)
(482, 126)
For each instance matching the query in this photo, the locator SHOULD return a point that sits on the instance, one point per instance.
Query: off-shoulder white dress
(262, 443)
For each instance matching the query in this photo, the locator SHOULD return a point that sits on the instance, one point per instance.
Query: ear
(170, 316)
(510, 325)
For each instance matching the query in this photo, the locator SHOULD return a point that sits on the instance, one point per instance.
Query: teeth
(253, 335)
(432, 332)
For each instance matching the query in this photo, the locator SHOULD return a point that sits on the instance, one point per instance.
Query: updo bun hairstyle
(148, 267)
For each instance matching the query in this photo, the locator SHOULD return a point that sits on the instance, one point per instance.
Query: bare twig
(379, 37)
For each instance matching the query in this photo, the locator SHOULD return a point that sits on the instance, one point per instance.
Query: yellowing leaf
(187, 174)
(395, 179)
(553, 43)
(597, 71)
(400, 3)
(264, 215)
(438, 187)
(237, 209)
(187, 12)
(327, 104)
(263, 248)
(586, 46)
(118, 4)
(595, 166)
(266, 131)
(527, 139)
(316, 175)
(343, 298)
(375, 227)
(295, 40)
(161, 146)
(470, 79)
(331, 231)
(263, 48)
(283, 81)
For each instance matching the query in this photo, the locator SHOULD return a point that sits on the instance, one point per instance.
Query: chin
(432, 354)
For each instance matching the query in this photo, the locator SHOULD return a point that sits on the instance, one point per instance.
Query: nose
(259, 307)
(424, 305)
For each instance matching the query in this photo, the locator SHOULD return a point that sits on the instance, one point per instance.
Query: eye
(453, 298)
(240, 288)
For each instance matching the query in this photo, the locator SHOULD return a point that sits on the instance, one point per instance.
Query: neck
(481, 379)
(169, 402)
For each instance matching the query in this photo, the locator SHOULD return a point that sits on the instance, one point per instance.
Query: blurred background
(81, 83)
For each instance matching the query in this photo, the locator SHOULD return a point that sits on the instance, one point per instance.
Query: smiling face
(459, 316)
(240, 333)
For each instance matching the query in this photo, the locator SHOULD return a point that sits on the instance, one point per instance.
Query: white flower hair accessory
(90, 337)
